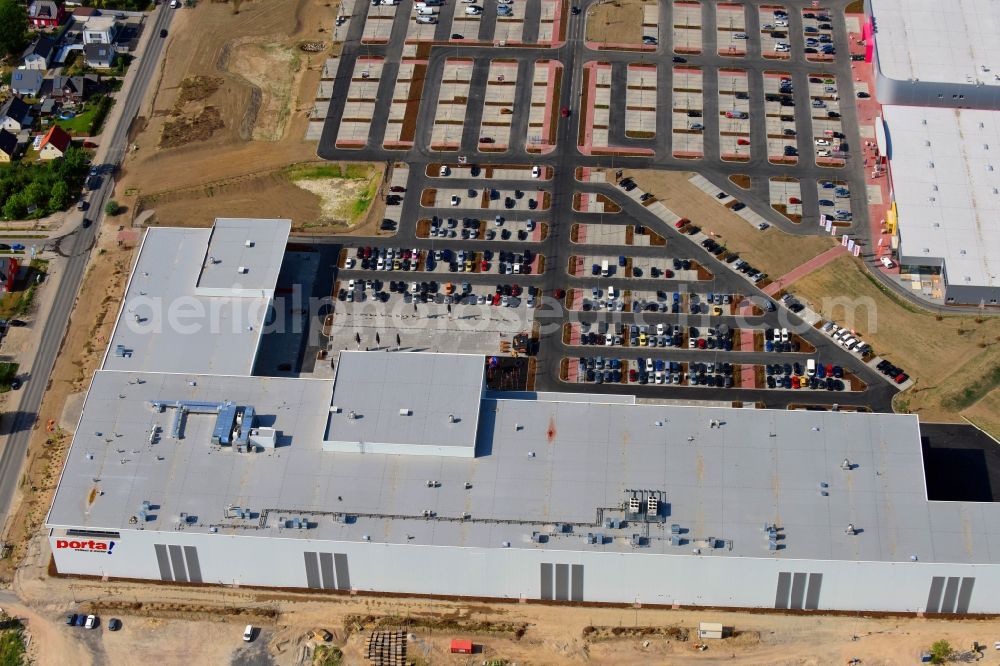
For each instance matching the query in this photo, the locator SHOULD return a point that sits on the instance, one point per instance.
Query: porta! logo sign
(90, 546)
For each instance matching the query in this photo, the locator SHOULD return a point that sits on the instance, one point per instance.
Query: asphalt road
(76, 247)
(566, 158)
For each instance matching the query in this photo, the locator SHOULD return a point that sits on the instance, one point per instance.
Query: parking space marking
(779, 110)
(687, 122)
(817, 32)
(498, 106)
(734, 115)
(542, 118)
(687, 27)
(615, 234)
(828, 132)
(786, 197)
(774, 42)
(640, 101)
(550, 23)
(355, 124)
(730, 27)
(378, 24)
(401, 125)
(449, 119)
(834, 202)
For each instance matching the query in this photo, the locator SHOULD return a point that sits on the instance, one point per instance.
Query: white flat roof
(243, 257)
(930, 40)
(401, 403)
(945, 167)
(168, 324)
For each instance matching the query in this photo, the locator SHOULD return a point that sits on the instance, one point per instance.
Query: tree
(15, 208)
(112, 207)
(58, 196)
(13, 27)
(941, 652)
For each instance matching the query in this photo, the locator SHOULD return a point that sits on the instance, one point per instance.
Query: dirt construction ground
(234, 95)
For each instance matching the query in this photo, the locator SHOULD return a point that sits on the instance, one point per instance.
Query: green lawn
(7, 373)
(80, 124)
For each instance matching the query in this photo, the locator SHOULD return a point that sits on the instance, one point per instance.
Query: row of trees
(13, 27)
(47, 187)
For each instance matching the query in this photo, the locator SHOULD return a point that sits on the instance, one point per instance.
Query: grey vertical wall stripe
(934, 597)
(576, 587)
(193, 566)
(326, 571)
(784, 586)
(177, 561)
(798, 590)
(562, 582)
(312, 570)
(546, 582)
(812, 591)
(343, 575)
(950, 593)
(965, 595)
(163, 562)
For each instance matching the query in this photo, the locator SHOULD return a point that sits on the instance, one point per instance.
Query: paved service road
(563, 161)
(77, 246)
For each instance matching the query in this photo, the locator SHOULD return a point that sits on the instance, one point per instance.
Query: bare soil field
(772, 251)
(955, 360)
(616, 22)
(234, 94)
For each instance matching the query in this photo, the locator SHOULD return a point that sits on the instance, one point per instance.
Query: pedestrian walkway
(802, 270)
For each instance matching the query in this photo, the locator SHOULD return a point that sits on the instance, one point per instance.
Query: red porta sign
(89, 546)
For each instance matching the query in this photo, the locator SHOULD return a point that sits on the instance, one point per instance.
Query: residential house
(39, 54)
(101, 56)
(81, 14)
(8, 273)
(54, 144)
(100, 30)
(8, 146)
(27, 82)
(15, 115)
(69, 88)
(46, 14)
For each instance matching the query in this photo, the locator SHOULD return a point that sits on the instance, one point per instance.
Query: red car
(681, 222)
(515, 290)
(559, 293)
(667, 273)
(701, 343)
(632, 375)
(496, 299)
(795, 381)
(397, 188)
(564, 112)
(794, 200)
(485, 266)
(743, 142)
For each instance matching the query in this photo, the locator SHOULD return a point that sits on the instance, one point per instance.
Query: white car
(91, 622)
(822, 142)
(248, 633)
(454, 200)
(887, 262)
(784, 335)
(444, 170)
(824, 153)
(505, 2)
(536, 171)
(473, 10)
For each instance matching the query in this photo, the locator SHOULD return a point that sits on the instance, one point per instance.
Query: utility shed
(711, 630)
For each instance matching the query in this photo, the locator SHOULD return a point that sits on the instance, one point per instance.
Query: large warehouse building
(945, 171)
(932, 53)
(403, 474)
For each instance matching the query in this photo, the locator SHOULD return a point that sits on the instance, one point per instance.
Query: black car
(575, 10)
(114, 624)
(863, 95)
(679, 59)
(163, 33)
(739, 205)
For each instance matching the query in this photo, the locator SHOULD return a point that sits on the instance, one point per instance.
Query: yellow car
(642, 340)
(716, 310)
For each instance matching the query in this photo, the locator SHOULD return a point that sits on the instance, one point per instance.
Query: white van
(427, 11)
(432, 20)
(604, 268)
(811, 367)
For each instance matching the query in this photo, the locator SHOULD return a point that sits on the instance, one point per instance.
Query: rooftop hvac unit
(633, 504)
(652, 505)
(146, 505)
(675, 540)
(537, 538)
(635, 541)
(675, 529)
(142, 516)
(242, 270)
(591, 539)
(404, 412)
(505, 544)
(612, 523)
(772, 545)
(248, 243)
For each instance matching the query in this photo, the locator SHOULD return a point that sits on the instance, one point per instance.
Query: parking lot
(445, 219)
(734, 115)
